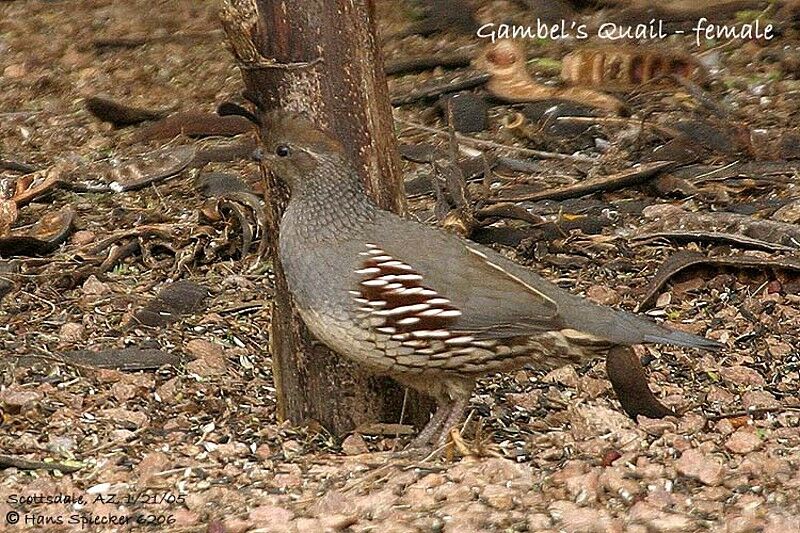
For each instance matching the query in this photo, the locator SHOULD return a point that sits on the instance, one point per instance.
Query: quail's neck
(330, 203)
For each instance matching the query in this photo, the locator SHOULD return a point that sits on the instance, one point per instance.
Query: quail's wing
(424, 277)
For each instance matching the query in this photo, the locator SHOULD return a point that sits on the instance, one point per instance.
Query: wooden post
(321, 58)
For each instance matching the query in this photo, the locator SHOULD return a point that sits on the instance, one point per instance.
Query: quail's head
(295, 149)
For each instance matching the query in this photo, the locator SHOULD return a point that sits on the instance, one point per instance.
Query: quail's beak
(262, 154)
(271, 161)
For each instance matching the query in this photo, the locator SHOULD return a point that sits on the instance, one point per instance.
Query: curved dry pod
(620, 68)
(510, 80)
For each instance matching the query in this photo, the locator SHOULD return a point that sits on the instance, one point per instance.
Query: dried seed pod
(520, 127)
(511, 82)
(42, 238)
(621, 68)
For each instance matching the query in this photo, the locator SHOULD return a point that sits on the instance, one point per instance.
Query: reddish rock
(271, 518)
(743, 441)
(264, 452)
(565, 375)
(526, 400)
(782, 524)
(499, 497)
(466, 518)
(593, 387)
(609, 457)
(454, 492)
(497, 470)
(94, 287)
(420, 498)
(690, 285)
(130, 419)
(236, 525)
(231, 450)
(657, 426)
(290, 478)
(778, 349)
(123, 391)
(81, 237)
(377, 503)
(120, 435)
(724, 426)
(167, 390)
(431, 481)
(584, 488)
(539, 522)
(354, 445)
(663, 300)
(670, 523)
(720, 396)
(742, 375)
(19, 398)
(184, 517)
(759, 399)
(655, 211)
(72, 332)
(336, 522)
(602, 419)
(570, 470)
(301, 525)
(602, 295)
(574, 519)
(332, 502)
(202, 349)
(151, 464)
(17, 70)
(615, 481)
(705, 468)
(679, 442)
(643, 512)
(691, 423)
(649, 470)
(765, 465)
(207, 367)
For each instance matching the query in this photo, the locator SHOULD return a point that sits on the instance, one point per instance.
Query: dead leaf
(150, 168)
(629, 380)
(173, 301)
(194, 124)
(119, 114)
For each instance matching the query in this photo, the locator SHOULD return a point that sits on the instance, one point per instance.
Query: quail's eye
(282, 150)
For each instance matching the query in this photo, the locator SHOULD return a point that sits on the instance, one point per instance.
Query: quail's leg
(433, 426)
(454, 416)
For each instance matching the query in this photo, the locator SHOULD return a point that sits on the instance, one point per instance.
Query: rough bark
(320, 57)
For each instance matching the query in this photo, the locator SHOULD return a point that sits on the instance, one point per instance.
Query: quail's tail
(621, 327)
(681, 338)
(638, 329)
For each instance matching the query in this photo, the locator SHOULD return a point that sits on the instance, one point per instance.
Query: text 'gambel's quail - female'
(426, 307)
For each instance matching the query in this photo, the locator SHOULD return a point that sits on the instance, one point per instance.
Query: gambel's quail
(424, 306)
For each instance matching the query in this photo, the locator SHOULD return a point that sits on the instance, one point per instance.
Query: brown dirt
(196, 446)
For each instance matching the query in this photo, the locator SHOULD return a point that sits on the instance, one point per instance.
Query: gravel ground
(195, 446)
